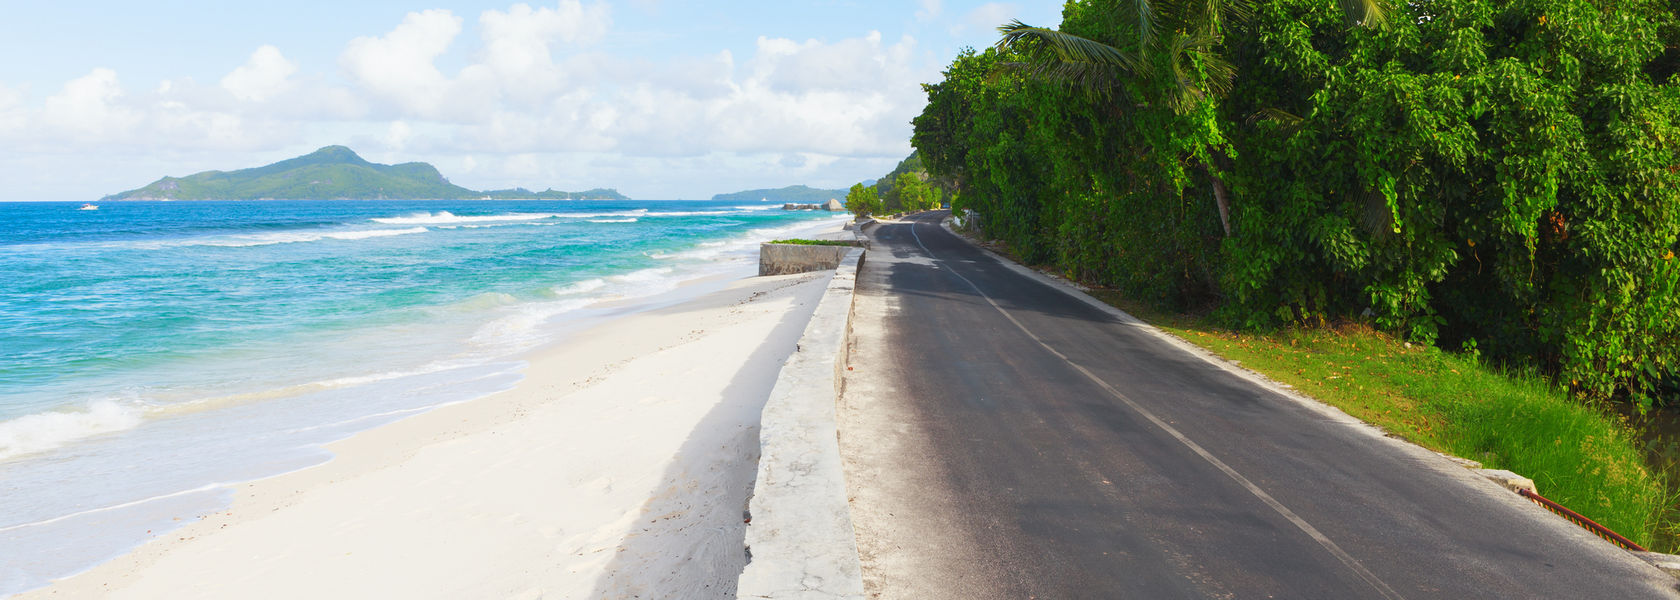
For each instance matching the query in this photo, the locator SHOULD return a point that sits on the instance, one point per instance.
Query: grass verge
(1586, 459)
(1576, 455)
(805, 242)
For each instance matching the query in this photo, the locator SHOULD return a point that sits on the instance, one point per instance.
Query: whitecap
(581, 287)
(445, 217)
(38, 432)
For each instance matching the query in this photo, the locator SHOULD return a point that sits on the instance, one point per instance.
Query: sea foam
(29, 434)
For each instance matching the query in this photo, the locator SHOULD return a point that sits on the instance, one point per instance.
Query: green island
(1456, 222)
(335, 173)
(796, 194)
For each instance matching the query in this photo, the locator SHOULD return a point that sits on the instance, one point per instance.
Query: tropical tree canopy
(861, 201)
(1460, 172)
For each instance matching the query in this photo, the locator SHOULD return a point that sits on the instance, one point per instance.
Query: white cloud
(515, 63)
(13, 115)
(399, 66)
(537, 96)
(95, 111)
(930, 10)
(851, 97)
(517, 55)
(89, 106)
(987, 17)
(262, 77)
(397, 136)
(532, 89)
(854, 64)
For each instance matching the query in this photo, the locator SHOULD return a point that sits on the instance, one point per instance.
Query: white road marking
(1312, 532)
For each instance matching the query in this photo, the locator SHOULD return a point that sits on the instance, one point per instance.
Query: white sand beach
(618, 468)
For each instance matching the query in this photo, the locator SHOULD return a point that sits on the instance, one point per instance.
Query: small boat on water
(89, 207)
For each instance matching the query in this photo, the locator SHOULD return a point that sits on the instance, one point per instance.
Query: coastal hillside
(553, 194)
(333, 173)
(798, 194)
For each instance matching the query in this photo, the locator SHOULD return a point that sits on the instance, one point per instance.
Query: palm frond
(1197, 71)
(1365, 13)
(1097, 80)
(1147, 21)
(1044, 46)
(1275, 115)
(1236, 11)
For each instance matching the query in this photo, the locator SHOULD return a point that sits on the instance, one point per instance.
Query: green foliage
(805, 242)
(1503, 172)
(915, 193)
(892, 198)
(861, 201)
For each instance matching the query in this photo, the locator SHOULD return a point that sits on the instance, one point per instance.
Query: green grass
(1580, 457)
(805, 242)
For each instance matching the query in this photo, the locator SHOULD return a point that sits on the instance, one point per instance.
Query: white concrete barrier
(799, 540)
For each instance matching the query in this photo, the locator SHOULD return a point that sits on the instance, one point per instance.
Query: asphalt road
(1004, 439)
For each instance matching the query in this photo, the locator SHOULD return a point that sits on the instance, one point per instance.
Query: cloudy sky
(658, 98)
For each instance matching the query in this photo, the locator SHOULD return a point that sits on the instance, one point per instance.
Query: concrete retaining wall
(787, 259)
(800, 539)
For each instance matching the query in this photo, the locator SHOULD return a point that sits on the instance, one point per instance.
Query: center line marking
(1267, 499)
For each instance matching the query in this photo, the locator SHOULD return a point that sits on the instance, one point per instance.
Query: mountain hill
(798, 194)
(553, 194)
(331, 173)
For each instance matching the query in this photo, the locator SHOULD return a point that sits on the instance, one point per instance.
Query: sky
(659, 99)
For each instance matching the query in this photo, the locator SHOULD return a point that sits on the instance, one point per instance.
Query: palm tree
(1171, 45)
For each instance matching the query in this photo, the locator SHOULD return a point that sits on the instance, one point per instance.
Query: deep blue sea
(152, 354)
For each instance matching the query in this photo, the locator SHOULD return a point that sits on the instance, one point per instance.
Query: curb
(799, 538)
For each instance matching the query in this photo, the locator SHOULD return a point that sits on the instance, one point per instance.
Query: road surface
(1004, 439)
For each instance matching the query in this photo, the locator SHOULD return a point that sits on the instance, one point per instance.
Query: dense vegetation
(331, 173)
(863, 200)
(797, 194)
(909, 187)
(1493, 176)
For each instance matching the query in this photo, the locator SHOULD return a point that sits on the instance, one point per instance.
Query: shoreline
(542, 485)
(695, 292)
(117, 518)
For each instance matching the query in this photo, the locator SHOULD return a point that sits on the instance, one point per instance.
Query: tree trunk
(1221, 197)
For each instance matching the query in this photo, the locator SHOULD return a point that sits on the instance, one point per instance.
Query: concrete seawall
(787, 259)
(800, 540)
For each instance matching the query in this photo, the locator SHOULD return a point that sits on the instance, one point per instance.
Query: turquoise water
(153, 353)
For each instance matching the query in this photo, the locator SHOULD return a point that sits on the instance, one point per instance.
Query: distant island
(335, 173)
(797, 194)
(553, 194)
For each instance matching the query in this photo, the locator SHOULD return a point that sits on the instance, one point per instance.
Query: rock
(1511, 481)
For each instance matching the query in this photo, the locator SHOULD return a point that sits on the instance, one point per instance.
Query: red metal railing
(1588, 524)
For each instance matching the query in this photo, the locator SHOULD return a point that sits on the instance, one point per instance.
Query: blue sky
(660, 99)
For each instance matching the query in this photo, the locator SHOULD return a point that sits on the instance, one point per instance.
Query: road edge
(1454, 467)
(799, 539)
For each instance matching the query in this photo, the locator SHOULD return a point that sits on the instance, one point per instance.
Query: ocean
(155, 354)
